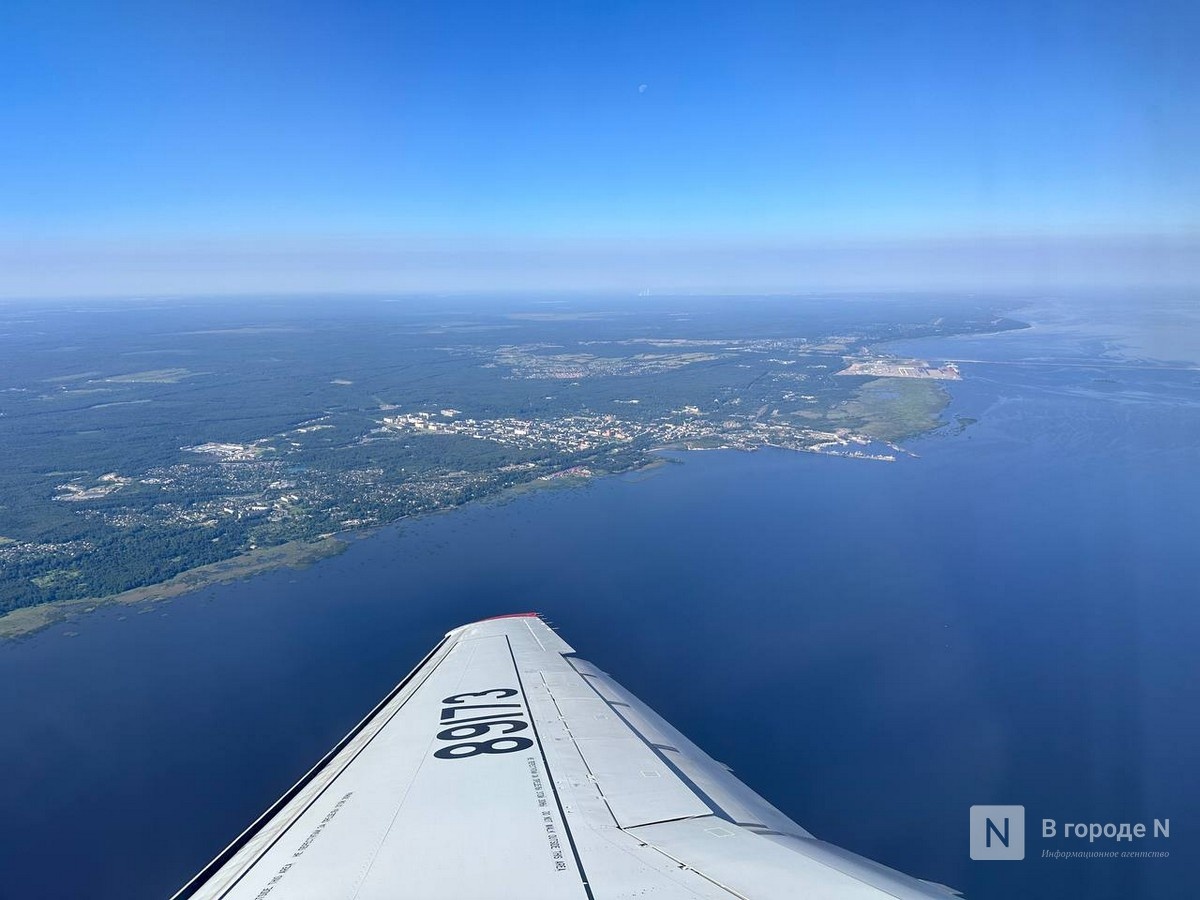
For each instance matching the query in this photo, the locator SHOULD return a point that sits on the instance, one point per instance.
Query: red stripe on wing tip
(523, 615)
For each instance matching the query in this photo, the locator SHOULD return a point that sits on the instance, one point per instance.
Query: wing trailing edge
(504, 766)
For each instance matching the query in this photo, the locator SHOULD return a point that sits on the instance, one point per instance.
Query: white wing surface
(505, 767)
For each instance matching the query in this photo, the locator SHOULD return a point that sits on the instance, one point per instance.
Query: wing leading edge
(504, 766)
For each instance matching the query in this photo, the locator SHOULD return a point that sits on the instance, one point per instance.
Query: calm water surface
(1011, 617)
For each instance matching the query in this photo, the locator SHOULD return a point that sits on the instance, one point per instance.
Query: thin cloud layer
(83, 268)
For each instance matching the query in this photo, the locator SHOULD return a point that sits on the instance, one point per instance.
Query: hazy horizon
(77, 269)
(232, 148)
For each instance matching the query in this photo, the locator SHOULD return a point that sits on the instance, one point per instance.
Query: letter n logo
(997, 832)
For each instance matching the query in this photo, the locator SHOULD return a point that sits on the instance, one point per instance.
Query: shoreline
(299, 554)
(28, 620)
(295, 554)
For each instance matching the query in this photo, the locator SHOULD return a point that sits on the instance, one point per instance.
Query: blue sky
(255, 126)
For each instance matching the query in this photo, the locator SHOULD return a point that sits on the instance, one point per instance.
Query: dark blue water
(1009, 618)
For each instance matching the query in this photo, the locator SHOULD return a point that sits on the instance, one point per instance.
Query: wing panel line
(583, 759)
(533, 634)
(365, 872)
(199, 880)
(587, 888)
(700, 793)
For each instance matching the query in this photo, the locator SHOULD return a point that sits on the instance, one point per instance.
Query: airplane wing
(505, 767)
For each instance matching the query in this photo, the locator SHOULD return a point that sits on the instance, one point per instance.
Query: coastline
(298, 554)
(295, 554)
(28, 620)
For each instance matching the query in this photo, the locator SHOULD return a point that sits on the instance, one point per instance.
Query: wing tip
(514, 615)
